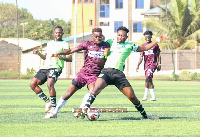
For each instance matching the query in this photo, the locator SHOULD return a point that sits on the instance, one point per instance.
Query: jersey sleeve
(82, 46)
(157, 49)
(110, 41)
(66, 46)
(135, 47)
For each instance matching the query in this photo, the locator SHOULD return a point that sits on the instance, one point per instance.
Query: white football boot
(48, 106)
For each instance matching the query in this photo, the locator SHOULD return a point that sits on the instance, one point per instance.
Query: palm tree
(184, 23)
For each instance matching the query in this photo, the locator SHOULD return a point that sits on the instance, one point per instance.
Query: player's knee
(33, 84)
(147, 79)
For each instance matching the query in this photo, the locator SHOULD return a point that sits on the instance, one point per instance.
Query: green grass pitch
(178, 105)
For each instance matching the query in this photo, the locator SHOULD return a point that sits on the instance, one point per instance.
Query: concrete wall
(9, 56)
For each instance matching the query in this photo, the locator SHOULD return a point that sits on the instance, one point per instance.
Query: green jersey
(118, 54)
(52, 48)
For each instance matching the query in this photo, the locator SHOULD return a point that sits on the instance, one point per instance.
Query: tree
(35, 29)
(184, 23)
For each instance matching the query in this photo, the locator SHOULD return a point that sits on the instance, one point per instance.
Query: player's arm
(68, 58)
(106, 52)
(35, 51)
(150, 45)
(159, 61)
(140, 61)
(66, 52)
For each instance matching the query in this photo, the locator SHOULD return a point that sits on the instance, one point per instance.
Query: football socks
(90, 100)
(60, 103)
(141, 110)
(42, 96)
(53, 101)
(86, 97)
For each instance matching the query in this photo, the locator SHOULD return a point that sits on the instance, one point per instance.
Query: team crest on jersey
(123, 45)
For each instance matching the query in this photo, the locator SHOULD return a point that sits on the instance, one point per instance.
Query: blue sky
(46, 9)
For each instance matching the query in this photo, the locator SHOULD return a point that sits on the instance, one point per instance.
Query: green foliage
(8, 74)
(193, 76)
(34, 29)
(183, 21)
(185, 72)
(175, 76)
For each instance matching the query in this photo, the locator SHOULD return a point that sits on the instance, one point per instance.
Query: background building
(110, 14)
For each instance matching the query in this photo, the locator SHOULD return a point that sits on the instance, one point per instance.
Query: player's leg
(62, 101)
(39, 79)
(146, 90)
(152, 91)
(77, 84)
(128, 91)
(151, 86)
(52, 92)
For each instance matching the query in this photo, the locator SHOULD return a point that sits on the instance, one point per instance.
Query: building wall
(88, 14)
(183, 59)
(9, 56)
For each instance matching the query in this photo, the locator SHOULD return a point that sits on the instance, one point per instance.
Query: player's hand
(59, 57)
(54, 55)
(137, 69)
(162, 37)
(106, 51)
(35, 51)
(158, 67)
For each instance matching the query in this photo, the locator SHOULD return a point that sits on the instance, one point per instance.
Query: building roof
(78, 36)
(153, 11)
(24, 43)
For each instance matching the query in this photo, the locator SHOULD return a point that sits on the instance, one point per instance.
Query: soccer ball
(93, 114)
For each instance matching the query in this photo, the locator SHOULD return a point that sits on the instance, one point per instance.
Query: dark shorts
(82, 79)
(149, 72)
(114, 77)
(44, 74)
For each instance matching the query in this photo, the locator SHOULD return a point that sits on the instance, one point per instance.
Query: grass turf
(22, 112)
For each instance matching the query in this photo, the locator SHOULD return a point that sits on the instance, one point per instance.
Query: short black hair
(96, 30)
(148, 32)
(123, 28)
(59, 27)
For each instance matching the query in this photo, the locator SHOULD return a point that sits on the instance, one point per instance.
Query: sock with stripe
(42, 96)
(141, 110)
(53, 101)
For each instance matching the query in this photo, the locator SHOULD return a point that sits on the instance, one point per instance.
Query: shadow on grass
(162, 118)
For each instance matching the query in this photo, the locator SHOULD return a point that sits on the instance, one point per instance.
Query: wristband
(158, 39)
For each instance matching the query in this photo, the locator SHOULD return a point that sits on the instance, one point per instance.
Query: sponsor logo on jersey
(149, 52)
(96, 54)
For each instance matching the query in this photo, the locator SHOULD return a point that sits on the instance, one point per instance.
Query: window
(137, 27)
(104, 8)
(104, 23)
(139, 4)
(86, 1)
(90, 22)
(119, 4)
(80, 1)
(91, 1)
(118, 24)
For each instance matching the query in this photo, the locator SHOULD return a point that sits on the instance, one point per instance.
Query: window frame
(138, 27)
(119, 4)
(139, 7)
(115, 29)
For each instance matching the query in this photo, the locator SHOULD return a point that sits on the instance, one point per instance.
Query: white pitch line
(21, 108)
